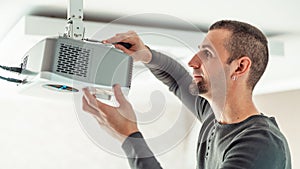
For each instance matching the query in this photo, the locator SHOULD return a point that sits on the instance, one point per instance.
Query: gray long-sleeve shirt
(255, 143)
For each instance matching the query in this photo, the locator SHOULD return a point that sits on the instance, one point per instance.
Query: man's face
(209, 64)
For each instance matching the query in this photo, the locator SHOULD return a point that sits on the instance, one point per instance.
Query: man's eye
(207, 53)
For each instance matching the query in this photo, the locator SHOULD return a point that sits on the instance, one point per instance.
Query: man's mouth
(198, 74)
(198, 77)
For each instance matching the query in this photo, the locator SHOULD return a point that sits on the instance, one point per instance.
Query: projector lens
(60, 88)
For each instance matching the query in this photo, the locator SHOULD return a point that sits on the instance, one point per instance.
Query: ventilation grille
(73, 60)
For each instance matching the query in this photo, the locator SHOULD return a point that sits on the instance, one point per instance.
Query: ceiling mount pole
(74, 27)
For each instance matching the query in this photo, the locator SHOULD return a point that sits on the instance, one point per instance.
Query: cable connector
(12, 69)
(13, 80)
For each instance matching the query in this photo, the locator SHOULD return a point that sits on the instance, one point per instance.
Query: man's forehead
(215, 39)
(217, 35)
(206, 43)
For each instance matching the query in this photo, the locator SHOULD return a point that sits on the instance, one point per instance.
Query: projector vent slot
(73, 60)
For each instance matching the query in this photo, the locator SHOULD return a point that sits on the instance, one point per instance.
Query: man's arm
(120, 122)
(168, 71)
(177, 78)
(165, 69)
(138, 153)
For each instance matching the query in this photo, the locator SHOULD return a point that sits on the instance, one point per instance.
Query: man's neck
(234, 109)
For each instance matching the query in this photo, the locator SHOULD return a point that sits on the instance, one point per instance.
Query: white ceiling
(272, 16)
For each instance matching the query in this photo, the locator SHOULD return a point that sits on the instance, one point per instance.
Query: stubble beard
(198, 88)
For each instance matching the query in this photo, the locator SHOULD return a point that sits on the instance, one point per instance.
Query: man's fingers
(115, 39)
(121, 47)
(96, 104)
(121, 37)
(87, 108)
(119, 95)
(91, 99)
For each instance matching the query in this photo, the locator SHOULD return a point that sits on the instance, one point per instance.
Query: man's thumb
(118, 94)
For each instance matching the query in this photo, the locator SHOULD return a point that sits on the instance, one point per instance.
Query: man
(234, 134)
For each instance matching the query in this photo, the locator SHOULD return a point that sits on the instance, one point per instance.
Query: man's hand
(138, 51)
(119, 122)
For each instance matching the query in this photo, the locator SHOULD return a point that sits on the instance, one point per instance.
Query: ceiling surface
(272, 16)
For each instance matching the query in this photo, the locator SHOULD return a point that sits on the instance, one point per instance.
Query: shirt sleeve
(178, 79)
(138, 153)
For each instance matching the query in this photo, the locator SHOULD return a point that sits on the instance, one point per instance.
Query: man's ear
(242, 66)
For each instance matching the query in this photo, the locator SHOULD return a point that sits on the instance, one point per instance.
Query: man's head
(237, 49)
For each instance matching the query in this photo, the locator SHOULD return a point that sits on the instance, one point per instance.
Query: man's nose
(195, 62)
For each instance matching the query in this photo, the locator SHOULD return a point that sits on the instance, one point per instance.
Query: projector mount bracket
(74, 27)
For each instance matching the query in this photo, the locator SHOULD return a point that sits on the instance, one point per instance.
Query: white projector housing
(65, 65)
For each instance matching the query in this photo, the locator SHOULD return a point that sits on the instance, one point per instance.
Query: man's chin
(193, 89)
(197, 89)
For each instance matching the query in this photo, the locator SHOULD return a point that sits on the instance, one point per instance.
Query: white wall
(43, 133)
(285, 107)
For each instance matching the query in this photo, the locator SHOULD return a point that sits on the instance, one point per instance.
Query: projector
(64, 64)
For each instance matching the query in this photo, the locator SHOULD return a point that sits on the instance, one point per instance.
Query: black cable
(12, 80)
(12, 69)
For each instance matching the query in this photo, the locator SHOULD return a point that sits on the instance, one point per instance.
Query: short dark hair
(246, 40)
